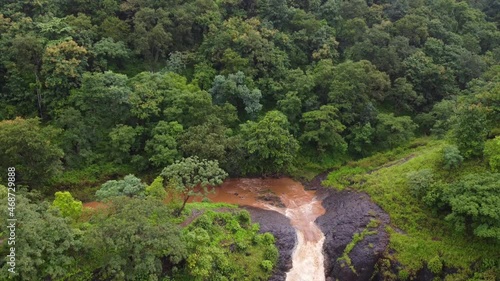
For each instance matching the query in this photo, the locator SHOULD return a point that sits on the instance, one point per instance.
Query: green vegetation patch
(227, 245)
(427, 234)
(356, 238)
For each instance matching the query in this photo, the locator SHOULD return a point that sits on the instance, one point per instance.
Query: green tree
(210, 140)
(234, 90)
(431, 81)
(291, 106)
(63, 65)
(134, 241)
(474, 202)
(470, 129)
(151, 36)
(190, 173)
(67, 205)
(130, 186)
(46, 245)
(492, 153)
(156, 189)
(392, 131)
(269, 144)
(31, 149)
(123, 141)
(168, 97)
(403, 97)
(322, 128)
(451, 158)
(162, 147)
(355, 86)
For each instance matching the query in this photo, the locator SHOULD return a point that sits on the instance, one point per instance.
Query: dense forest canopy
(95, 90)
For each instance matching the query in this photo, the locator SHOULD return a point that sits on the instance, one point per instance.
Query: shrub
(271, 253)
(268, 238)
(474, 202)
(420, 182)
(129, 186)
(435, 265)
(267, 265)
(403, 275)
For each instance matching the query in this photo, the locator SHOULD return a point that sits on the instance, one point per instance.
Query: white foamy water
(307, 258)
(301, 207)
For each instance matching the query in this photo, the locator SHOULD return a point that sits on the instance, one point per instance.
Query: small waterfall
(300, 206)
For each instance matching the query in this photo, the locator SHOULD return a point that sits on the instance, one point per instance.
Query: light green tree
(191, 176)
(67, 205)
(156, 189)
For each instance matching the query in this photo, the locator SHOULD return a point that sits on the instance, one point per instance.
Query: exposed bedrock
(348, 213)
(286, 237)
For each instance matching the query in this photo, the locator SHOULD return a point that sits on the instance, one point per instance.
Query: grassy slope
(427, 235)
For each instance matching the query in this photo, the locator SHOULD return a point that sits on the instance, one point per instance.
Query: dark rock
(347, 213)
(285, 235)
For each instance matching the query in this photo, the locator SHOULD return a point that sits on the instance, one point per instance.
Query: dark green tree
(323, 130)
(270, 146)
(30, 148)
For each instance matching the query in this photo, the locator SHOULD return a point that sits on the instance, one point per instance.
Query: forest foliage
(95, 92)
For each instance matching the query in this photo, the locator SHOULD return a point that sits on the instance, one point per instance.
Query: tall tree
(31, 149)
(322, 129)
(270, 146)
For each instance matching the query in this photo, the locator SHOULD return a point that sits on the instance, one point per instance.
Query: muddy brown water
(299, 205)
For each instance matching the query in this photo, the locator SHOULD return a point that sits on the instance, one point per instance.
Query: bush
(267, 265)
(474, 202)
(271, 253)
(435, 265)
(67, 205)
(268, 238)
(420, 182)
(129, 186)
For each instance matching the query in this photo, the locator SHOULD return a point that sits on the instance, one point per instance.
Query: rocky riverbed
(349, 213)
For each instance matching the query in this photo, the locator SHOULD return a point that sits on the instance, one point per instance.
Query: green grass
(426, 235)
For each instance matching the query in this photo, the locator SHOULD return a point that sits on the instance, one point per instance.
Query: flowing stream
(300, 206)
